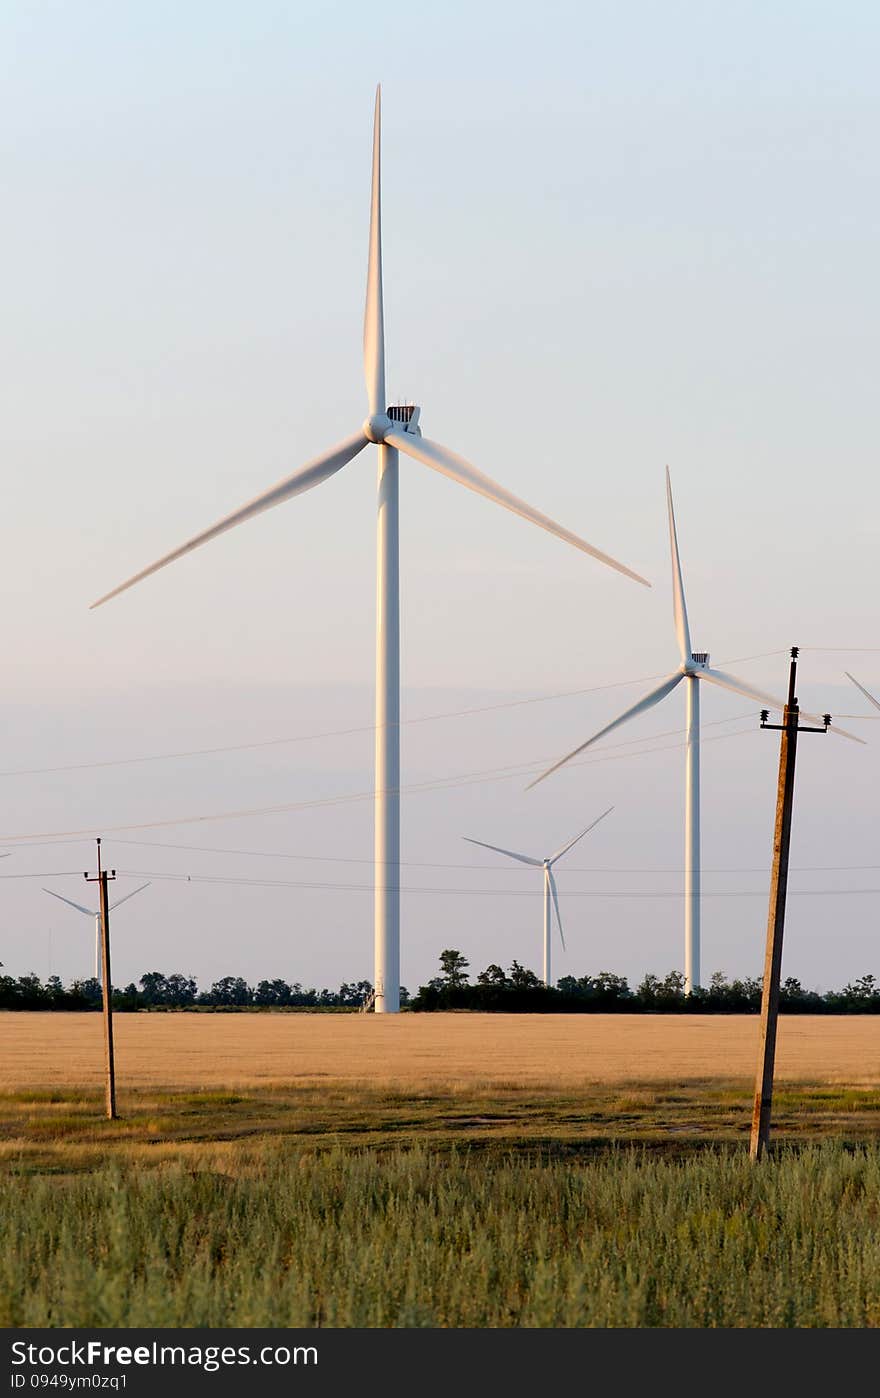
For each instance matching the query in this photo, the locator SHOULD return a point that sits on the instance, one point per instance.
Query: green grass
(276, 1235)
(352, 1206)
(67, 1131)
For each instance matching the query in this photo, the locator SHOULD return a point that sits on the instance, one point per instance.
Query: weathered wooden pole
(760, 1137)
(107, 983)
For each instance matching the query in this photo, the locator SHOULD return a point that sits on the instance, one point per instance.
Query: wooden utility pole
(790, 728)
(102, 879)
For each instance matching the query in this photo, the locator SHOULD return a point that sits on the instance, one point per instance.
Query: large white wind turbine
(694, 667)
(89, 912)
(393, 429)
(550, 890)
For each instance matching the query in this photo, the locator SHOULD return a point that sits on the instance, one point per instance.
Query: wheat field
(416, 1051)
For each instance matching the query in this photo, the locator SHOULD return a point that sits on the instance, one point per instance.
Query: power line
(483, 777)
(617, 870)
(489, 774)
(315, 737)
(50, 874)
(513, 869)
(638, 894)
(867, 718)
(221, 749)
(348, 732)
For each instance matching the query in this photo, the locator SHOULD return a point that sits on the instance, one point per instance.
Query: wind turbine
(97, 916)
(393, 429)
(867, 694)
(694, 668)
(550, 890)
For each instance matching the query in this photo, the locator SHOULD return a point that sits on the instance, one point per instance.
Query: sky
(616, 237)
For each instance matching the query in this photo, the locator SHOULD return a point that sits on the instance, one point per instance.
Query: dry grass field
(196, 1084)
(442, 1170)
(414, 1052)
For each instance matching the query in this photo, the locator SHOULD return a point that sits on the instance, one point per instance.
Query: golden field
(412, 1052)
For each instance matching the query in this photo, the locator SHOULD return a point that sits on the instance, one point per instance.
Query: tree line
(156, 991)
(517, 990)
(520, 990)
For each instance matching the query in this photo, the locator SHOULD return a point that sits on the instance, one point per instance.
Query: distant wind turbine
(868, 695)
(97, 916)
(550, 890)
(694, 668)
(393, 429)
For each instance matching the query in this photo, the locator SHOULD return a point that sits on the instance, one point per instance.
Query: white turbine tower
(550, 890)
(867, 693)
(393, 429)
(97, 916)
(693, 669)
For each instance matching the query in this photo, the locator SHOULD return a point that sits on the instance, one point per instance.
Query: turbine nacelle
(699, 660)
(400, 417)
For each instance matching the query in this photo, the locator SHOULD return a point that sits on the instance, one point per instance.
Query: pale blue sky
(616, 235)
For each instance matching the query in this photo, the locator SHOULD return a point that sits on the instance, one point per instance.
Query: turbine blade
(457, 469)
(556, 906)
(374, 312)
(647, 702)
(565, 848)
(833, 728)
(867, 693)
(311, 475)
(523, 858)
(678, 604)
(89, 912)
(737, 686)
(125, 897)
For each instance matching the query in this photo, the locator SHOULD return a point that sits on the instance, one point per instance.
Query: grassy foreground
(286, 1237)
(340, 1206)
